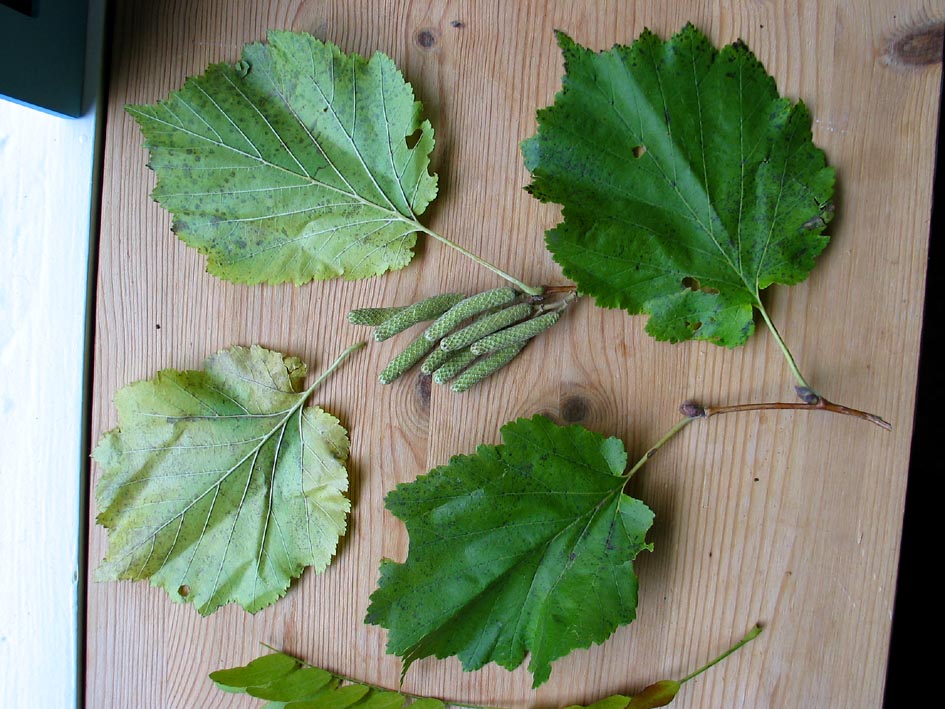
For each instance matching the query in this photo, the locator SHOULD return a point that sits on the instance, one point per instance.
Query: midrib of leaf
(692, 214)
(269, 515)
(777, 208)
(702, 186)
(590, 515)
(390, 150)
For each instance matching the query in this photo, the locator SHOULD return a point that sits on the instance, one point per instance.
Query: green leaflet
(219, 484)
(506, 547)
(690, 187)
(293, 164)
(285, 682)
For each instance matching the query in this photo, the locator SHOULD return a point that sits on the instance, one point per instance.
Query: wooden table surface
(791, 519)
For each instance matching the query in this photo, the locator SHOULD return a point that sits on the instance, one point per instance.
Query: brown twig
(551, 290)
(817, 404)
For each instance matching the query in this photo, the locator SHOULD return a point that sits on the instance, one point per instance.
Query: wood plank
(792, 519)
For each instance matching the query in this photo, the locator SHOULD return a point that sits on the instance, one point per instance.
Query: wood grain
(791, 519)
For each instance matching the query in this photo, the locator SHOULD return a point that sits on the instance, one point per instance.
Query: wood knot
(916, 46)
(575, 409)
(425, 38)
(423, 389)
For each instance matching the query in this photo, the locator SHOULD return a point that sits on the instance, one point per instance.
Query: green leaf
(658, 694)
(263, 670)
(287, 683)
(508, 546)
(617, 701)
(294, 164)
(688, 185)
(218, 484)
(283, 678)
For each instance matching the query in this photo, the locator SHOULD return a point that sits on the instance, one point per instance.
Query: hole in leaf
(184, 591)
(414, 138)
(639, 151)
(694, 285)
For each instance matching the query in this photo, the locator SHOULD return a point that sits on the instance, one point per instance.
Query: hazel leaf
(300, 162)
(218, 484)
(508, 545)
(688, 184)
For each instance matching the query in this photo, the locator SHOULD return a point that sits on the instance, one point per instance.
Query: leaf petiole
(752, 634)
(795, 370)
(664, 439)
(810, 398)
(334, 365)
(524, 287)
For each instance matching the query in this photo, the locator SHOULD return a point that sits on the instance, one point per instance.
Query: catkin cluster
(468, 339)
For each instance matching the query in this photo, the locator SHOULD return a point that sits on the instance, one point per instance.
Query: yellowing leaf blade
(293, 164)
(218, 485)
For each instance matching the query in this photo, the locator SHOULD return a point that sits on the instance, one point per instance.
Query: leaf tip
(563, 39)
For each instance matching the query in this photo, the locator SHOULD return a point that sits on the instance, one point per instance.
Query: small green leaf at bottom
(287, 682)
(284, 679)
